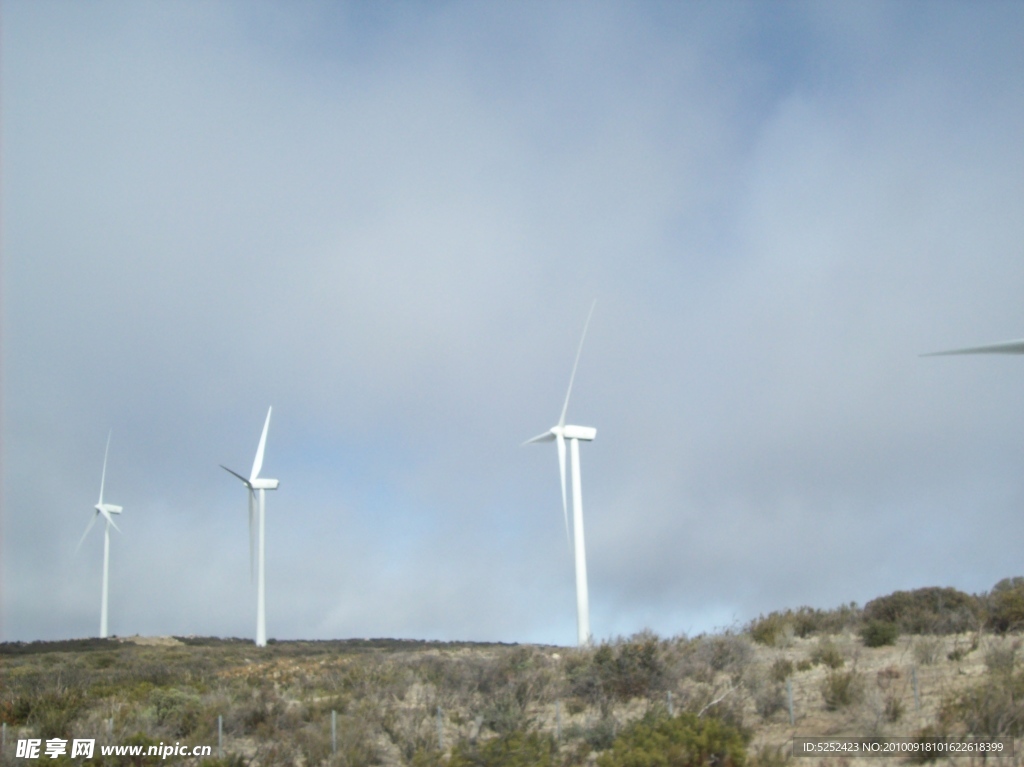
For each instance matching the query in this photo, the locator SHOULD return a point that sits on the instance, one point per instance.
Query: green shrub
(769, 697)
(841, 689)
(583, 673)
(827, 654)
(638, 669)
(782, 669)
(16, 711)
(599, 735)
(877, 633)
(51, 714)
(1006, 605)
(627, 669)
(773, 629)
(682, 741)
(893, 708)
(516, 749)
(575, 706)
(176, 710)
(768, 629)
(427, 757)
(929, 610)
(728, 653)
(505, 711)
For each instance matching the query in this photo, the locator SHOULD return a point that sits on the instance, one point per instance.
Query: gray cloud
(389, 225)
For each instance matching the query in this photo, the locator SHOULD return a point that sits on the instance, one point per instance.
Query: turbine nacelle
(583, 433)
(106, 509)
(254, 483)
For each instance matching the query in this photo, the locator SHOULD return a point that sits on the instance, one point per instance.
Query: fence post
(558, 721)
(440, 730)
(917, 696)
(671, 710)
(220, 736)
(789, 696)
(334, 732)
(3, 741)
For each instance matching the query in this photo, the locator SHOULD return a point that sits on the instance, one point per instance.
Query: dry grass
(276, 702)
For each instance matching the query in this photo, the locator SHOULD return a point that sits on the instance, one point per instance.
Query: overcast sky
(389, 220)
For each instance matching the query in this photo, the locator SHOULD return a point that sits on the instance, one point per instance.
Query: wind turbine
(1004, 347)
(254, 483)
(105, 509)
(559, 433)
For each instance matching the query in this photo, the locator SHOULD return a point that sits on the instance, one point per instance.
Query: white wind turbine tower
(105, 509)
(254, 483)
(559, 433)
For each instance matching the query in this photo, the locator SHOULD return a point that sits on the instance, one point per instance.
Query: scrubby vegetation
(779, 628)
(1005, 605)
(990, 706)
(390, 702)
(879, 633)
(734, 698)
(927, 611)
(682, 741)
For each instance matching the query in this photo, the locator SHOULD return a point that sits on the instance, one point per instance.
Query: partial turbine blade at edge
(1004, 347)
(561, 471)
(565, 406)
(257, 464)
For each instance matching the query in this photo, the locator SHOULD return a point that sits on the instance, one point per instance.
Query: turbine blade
(545, 437)
(252, 535)
(88, 527)
(247, 483)
(103, 476)
(1005, 347)
(561, 471)
(110, 520)
(565, 407)
(258, 463)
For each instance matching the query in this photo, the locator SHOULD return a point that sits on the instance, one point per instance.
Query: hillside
(420, 703)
